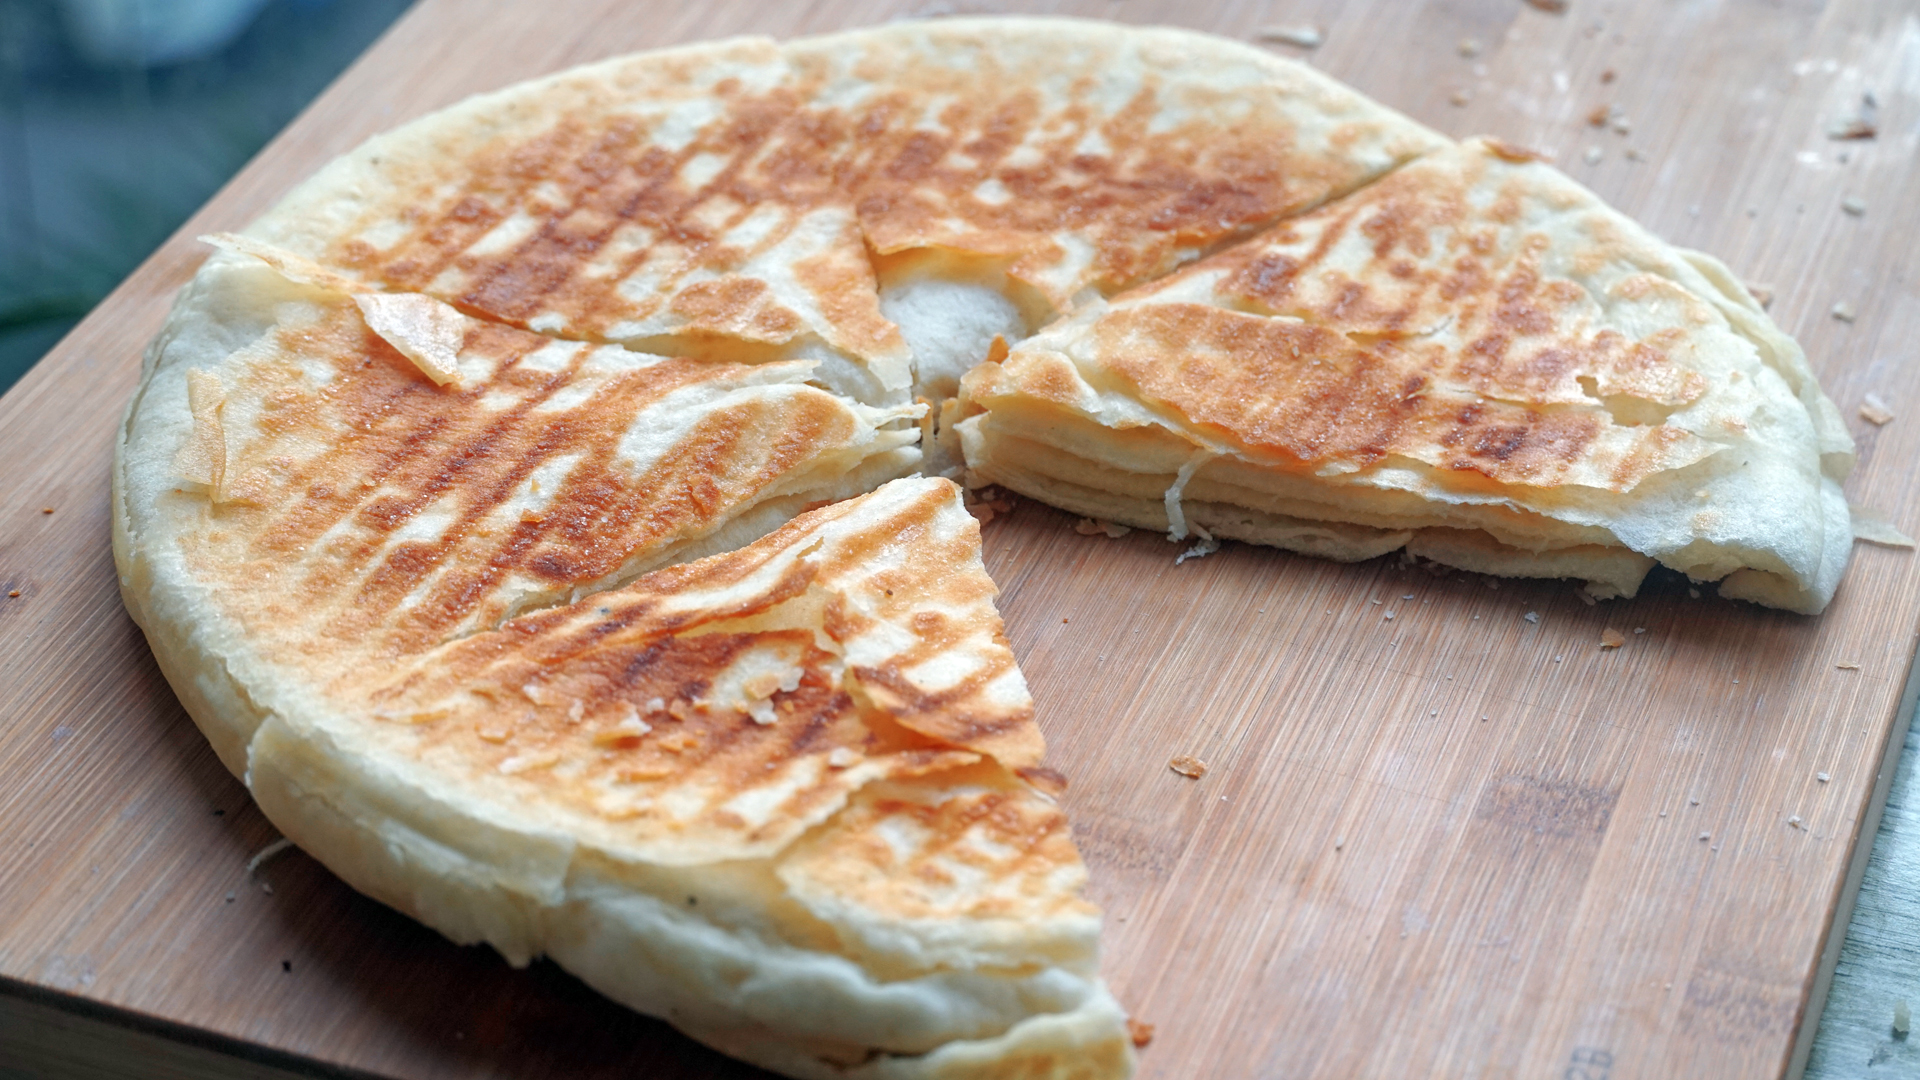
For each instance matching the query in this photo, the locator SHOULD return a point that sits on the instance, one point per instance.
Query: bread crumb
(1762, 294)
(1388, 616)
(1639, 629)
(46, 509)
(1188, 766)
(1612, 639)
(1300, 37)
(1847, 665)
(1822, 777)
(1607, 76)
(1635, 154)
(982, 512)
(1339, 842)
(1532, 616)
(1844, 312)
(1874, 410)
(1600, 115)
(1855, 205)
(1468, 47)
(1138, 1033)
(1705, 836)
(13, 592)
(1551, 7)
(1862, 123)
(1693, 802)
(1461, 96)
(1794, 821)
(1593, 155)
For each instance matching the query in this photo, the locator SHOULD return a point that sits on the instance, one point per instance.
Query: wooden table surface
(1456, 842)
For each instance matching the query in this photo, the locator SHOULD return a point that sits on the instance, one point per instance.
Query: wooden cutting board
(1442, 833)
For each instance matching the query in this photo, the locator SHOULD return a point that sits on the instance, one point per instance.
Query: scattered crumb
(1620, 124)
(1862, 123)
(1406, 596)
(1188, 766)
(1693, 802)
(983, 512)
(1663, 813)
(1599, 116)
(46, 509)
(1302, 37)
(286, 966)
(1763, 294)
(1705, 836)
(1551, 7)
(1639, 629)
(1822, 777)
(1468, 47)
(1847, 665)
(1532, 616)
(230, 898)
(1593, 155)
(1607, 76)
(1373, 601)
(13, 592)
(1557, 659)
(1693, 593)
(1141, 1034)
(1612, 639)
(1875, 411)
(1339, 842)
(1634, 154)
(1794, 821)
(1585, 597)
(1855, 205)
(1063, 620)
(1388, 616)
(1461, 96)
(1844, 312)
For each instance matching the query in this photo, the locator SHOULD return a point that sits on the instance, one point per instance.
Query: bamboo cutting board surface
(1436, 837)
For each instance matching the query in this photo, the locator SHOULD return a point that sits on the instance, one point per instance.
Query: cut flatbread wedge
(723, 200)
(1474, 359)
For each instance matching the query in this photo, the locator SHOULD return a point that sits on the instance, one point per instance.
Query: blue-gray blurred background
(118, 118)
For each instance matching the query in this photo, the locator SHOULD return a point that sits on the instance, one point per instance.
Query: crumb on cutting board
(1874, 410)
(1612, 639)
(1188, 766)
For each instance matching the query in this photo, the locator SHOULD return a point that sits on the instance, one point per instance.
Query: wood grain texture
(1453, 842)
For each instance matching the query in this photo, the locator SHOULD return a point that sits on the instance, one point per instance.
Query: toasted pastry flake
(1612, 639)
(203, 460)
(426, 331)
(1188, 766)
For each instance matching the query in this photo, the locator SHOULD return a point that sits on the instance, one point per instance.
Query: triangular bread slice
(723, 200)
(1474, 359)
(788, 798)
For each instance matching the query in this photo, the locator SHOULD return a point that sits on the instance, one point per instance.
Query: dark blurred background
(118, 118)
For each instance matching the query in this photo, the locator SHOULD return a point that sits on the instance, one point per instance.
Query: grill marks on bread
(430, 511)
